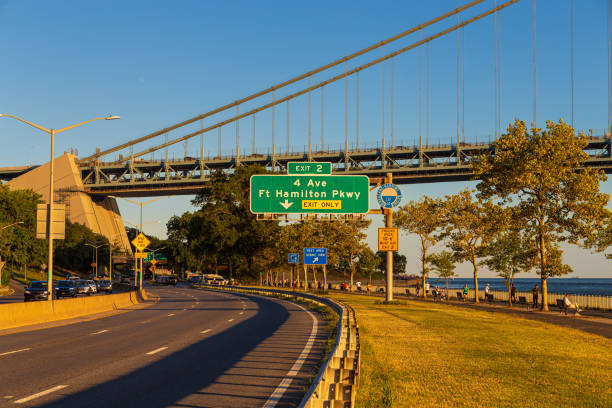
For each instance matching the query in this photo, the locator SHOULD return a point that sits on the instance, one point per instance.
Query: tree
(399, 262)
(18, 243)
(369, 263)
(421, 218)
(510, 253)
(444, 265)
(470, 226)
(557, 198)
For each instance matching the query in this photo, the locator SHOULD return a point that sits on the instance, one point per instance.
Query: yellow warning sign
(387, 239)
(140, 255)
(141, 242)
(153, 262)
(322, 204)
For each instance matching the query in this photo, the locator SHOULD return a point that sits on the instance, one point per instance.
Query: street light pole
(141, 204)
(53, 132)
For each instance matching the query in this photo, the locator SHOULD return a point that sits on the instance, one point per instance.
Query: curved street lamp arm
(78, 124)
(25, 121)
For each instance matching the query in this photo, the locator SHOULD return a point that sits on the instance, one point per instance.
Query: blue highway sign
(315, 256)
(294, 258)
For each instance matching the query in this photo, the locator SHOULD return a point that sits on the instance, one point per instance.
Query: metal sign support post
(389, 223)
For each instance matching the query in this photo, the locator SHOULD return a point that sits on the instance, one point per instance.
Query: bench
(489, 297)
(523, 301)
(563, 308)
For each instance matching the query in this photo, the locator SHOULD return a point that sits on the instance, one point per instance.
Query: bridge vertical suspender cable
(572, 63)
(309, 120)
(219, 136)
(383, 103)
(253, 134)
(202, 140)
(534, 63)
(499, 68)
(427, 94)
(609, 17)
(357, 111)
(287, 143)
(322, 118)
(238, 130)
(463, 83)
(420, 99)
(273, 123)
(392, 97)
(495, 73)
(458, 73)
(346, 107)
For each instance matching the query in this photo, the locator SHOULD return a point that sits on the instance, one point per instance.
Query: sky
(157, 63)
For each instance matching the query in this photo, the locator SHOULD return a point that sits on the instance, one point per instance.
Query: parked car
(195, 279)
(161, 279)
(105, 286)
(214, 279)
(37, 290)
(172, 280)
(65, 288)
(93, 285)
(82, 287)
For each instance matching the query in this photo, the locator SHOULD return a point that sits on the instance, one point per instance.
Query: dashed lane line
(230, 320)
(171, 314)
(14, 351)
(206, 331)
(99, 332)
(40, 394)
(150, 353)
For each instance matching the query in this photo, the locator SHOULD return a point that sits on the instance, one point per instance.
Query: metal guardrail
(335, 386)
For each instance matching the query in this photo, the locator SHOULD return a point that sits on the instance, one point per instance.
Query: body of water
(555, 285)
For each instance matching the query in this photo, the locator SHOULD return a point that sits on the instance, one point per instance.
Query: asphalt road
(193, 348)
(17, 296)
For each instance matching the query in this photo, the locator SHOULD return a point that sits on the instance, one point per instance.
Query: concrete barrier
(27, 313)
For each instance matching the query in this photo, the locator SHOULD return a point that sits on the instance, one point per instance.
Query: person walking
(418, 288)
(465, 292)
(535, 292)
(513, 292)
(426, 288)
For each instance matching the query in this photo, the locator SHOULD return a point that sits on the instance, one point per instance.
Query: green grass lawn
(436, 355)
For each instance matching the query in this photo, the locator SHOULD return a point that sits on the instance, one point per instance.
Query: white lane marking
(145, 321)
(14, 351)
(184, 309)
(205, 331)
(8, 396)
(241, 313)
(40, 394)
(171, 314)
(99, 332)
(150, 353)
(230, 320)
(284, 385)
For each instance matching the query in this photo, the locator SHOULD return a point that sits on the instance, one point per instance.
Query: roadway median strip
(14, 351)
(40, 394)
(150, 353)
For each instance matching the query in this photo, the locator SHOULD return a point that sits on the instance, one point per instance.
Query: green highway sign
(158, 257)
(309, 168)
(291, 194)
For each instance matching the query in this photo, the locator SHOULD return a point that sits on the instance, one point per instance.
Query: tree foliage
(541, 174)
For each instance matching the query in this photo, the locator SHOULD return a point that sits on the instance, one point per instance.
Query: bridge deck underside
(409, 165)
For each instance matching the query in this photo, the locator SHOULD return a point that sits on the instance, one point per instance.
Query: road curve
(193, 348)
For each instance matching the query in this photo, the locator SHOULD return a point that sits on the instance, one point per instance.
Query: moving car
(82, 287)
(37, 290)
(105, 286)
(93, 285)
(161, 279)
(65, 288)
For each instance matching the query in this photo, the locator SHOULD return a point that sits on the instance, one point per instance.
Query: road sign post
(389, 197)
(291, 194)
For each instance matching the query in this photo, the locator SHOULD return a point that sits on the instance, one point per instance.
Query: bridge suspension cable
(282, 84)
(328, 81)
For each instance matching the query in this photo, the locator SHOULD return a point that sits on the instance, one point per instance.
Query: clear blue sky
(156, 63)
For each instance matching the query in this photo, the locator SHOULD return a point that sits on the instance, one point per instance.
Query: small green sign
(157, 257)
(291, 194)
(309, 168)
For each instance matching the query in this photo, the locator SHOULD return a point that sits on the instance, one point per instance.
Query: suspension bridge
(136, 171)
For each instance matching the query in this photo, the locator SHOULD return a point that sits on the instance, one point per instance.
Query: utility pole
(389, 223)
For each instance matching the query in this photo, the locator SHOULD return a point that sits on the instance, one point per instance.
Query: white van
(214, 279)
